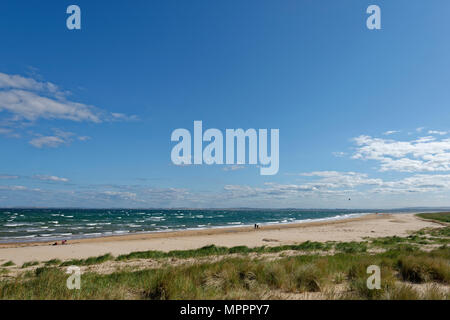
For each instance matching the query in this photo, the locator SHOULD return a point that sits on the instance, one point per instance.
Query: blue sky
(86, 115)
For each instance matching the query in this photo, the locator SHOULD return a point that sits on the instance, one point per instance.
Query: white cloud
(334, 179)
(338, 185)
(27, 101)
(339, 154)
(9, 133)
(119, 194)
(123, 117)
(319, 188)
(58, 138)
(421, 183)
(324, 184)
(50, 178)
(388, 133)
(31, 106)
(19, 82)
(441, 133)
(425, 154)
(47, 141)
(8, 176)
(13, 188)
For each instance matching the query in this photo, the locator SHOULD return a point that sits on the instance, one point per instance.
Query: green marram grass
(441, 216)
(246, 278)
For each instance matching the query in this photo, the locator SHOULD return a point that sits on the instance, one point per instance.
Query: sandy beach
(352, 229)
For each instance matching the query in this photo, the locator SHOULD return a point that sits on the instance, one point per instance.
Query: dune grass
(8, 264)
(249, 278)
(351, 247)
(85, 262)
(30, 264)
(439, 216)
(52, 262)
(215, 250)
(420, 269)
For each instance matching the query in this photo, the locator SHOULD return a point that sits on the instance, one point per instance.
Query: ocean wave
(25, 237)
(12, 225)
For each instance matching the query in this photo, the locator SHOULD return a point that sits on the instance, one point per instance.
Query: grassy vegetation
(214, 250)
(8, 264)
(52, 262)
(351, 247)
(411, 241)
(420, 269)
(30, 264)
(440, 216)
(247, 278)
(88, 261)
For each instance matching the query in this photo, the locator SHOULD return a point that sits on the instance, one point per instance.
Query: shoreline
(350, 229)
